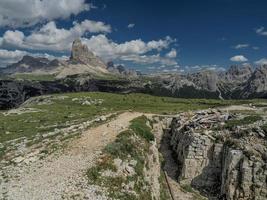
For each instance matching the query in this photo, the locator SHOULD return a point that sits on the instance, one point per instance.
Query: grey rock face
(230, 168)
(257, 83)
(80, 54)
(206, 80)
(238, 73)
(243, 178)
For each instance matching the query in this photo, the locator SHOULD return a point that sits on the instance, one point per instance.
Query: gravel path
(63, 176)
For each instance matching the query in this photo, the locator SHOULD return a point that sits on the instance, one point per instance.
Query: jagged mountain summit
(80, 54)
(238, 73)
(238, 82)
(81, 61)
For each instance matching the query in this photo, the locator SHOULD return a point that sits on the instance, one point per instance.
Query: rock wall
(242, 178)
(216, 168)
(198, 157)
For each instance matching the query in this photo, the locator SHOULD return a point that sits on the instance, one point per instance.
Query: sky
(147, 35)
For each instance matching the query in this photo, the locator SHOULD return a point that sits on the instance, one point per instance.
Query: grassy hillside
(47, 113)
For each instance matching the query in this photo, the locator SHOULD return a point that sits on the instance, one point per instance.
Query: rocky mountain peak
(80, 54)
(239, 73)
(257, 83)
(206, 79)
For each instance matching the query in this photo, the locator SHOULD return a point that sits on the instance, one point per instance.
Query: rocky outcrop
(243, 177)
(222, 164)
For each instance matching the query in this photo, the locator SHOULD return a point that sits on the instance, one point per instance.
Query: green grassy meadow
(62, 110)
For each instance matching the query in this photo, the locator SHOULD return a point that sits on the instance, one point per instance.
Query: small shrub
(122, 146)
(187, 188)
(139, 126)
(93, 174)
(246, 120)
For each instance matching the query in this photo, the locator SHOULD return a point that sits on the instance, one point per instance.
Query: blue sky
(143, 34)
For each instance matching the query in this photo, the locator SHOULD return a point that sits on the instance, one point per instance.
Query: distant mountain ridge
(30, 64)
(238, 82)
(84, 71)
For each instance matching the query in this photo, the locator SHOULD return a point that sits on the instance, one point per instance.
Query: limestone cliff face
(228, 168)
(242, 178)
(238, 73)
(257, 83)
(206, 80)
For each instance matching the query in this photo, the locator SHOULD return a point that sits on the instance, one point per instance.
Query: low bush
(140, 127)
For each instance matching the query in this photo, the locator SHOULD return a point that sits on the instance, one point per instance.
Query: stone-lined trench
(219, 163)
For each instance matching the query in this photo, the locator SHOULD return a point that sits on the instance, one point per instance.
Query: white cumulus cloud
(133, 50)
(172, 54)
(25, 13)
(11, 56)
(262, 61)
(239, 58)
(49, 37)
